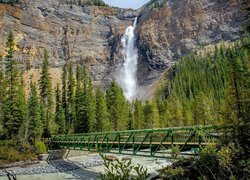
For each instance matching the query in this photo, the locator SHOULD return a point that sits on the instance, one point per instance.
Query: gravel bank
(82, 167)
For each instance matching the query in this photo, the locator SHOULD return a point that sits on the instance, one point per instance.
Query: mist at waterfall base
(127, 74)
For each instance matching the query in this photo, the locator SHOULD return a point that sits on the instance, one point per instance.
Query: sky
(134, 4)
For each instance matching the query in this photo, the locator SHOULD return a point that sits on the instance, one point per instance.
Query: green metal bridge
(147, 142)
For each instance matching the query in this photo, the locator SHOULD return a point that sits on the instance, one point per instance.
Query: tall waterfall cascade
(127, 77)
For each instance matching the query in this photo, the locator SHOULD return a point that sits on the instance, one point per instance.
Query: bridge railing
(152, 141)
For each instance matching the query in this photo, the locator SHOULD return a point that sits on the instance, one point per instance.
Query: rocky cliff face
(178, 27)
(91, 35)
(78, 34)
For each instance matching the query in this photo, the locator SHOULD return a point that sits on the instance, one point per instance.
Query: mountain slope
(168, 30)
(91, 35)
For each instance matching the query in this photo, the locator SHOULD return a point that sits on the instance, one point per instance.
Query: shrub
(12, 154)
(122, 170)
(175, 151)
(172, 173)
(225, 156)
(40, 148)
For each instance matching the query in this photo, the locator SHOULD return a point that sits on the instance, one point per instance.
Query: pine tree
(59, 112)
(46, 95)
(42, 116)
(23, 108)
(71, 116)
(78, 99)
(102, 117)
(131, 119)
(90, 102)
(64, 92)
(34, 129)
(187, 113)
(85, 102)
(176, 111)
(117, 107)
(155, 114)
(138, 115)
(14, 110)
(148, 122)
(2, 93)
(151, 115)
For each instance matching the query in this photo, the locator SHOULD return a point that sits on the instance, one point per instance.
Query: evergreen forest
(200, 89)
(197, 90)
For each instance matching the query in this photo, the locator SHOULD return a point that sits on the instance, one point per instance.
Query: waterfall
(127, 77)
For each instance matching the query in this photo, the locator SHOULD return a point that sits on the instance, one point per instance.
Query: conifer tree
(42, 116)
(64, 92)
(148, 122)
(102, 122)
(85, 102)
(46, 95)
(176, 111)
(117, 107)
(155, 114)
(138, 115)
(161, 109)
(78, 98)
(71, 100)
(90, 102)
(2, 93)
(131, 119)
(187, 114)
(14, 109)
(35, 128)
(23, 108)
(151, 115)
(59, 112)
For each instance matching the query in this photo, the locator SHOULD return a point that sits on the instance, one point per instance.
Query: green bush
(119, 170)
(13, 154)
(40, 148)
(172, 173)
(175, 151)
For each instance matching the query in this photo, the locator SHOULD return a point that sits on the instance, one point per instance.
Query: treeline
(197, 91)
(73, 107)
(70, 2)
(86, 2)
(203, 90)
(157, 3)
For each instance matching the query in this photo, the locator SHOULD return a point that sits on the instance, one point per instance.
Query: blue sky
(134, 4)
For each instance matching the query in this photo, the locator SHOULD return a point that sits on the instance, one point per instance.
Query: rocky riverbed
(87, 166)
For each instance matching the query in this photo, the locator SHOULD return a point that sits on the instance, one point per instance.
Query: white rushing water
(127, 77)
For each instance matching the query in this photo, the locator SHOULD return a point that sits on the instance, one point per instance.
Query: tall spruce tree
(151, 115)
(64, 92)
(14, 110)
(90, 101)
(78, 99)
(59, 112)
(34, 129)
(102, 122)
(138, 115)
(2, 94)
(71, 116)
(117, 107)
(23, 108)
(46, 95)
(85, 101)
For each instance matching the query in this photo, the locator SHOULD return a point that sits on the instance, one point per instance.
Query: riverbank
(87, 166)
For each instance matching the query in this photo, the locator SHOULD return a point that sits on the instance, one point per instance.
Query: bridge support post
(150, 139)
(133, 145)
